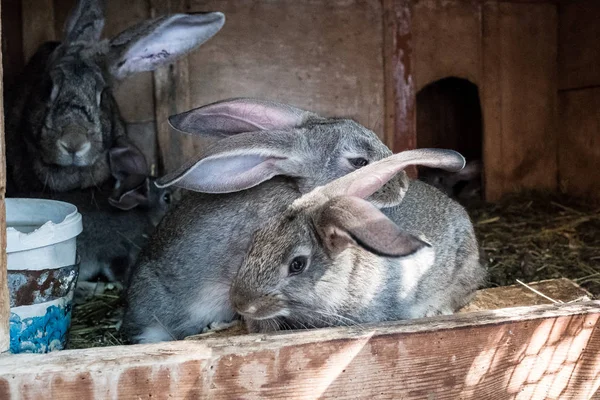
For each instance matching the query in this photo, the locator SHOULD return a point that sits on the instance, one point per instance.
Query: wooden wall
(508, 49)
(367, 60)
(579, 98)
(305, 53)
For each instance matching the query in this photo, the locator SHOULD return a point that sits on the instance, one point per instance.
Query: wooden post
(400, 97)
(4, 302)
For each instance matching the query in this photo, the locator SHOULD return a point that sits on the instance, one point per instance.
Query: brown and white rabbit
(269, 154)
(333, 258)
(62, 115)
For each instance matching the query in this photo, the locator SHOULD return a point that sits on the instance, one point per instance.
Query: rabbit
(62, 115)
(333, 258)
(267, 154)
(464, 185)
(117, 216)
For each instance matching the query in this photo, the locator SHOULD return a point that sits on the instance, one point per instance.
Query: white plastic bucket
(42, 272)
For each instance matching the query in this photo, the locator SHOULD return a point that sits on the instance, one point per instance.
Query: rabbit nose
(75, 144)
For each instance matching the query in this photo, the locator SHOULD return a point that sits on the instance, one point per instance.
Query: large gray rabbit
(268, 155)
(333, 258)
(62, 115)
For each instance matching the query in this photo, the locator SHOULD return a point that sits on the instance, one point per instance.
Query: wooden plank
(4, 298)
(447, 41)
(320, 55)
(579, 150)
(400, 121)
(532, 352)
(519, 92)
(578, 50)
(559, 290)
(12, 39)
(38, 25)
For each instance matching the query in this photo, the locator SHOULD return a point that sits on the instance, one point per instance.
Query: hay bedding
(530, 236)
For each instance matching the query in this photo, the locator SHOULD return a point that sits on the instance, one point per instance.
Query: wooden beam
(531, 352)
(4, 298)
(400, 100)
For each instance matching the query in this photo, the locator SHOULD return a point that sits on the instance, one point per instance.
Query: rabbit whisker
(164, 327)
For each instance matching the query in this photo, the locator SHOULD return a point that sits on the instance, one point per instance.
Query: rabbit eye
(167, 198)
(297, 265)
(358, 162)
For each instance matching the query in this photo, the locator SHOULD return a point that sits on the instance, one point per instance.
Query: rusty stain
(28, 287)
(79, 387)
(4, 389)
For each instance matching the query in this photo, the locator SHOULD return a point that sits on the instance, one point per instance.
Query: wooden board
(447, 40)
(4, 298)
(578, 51)
(533, 352)
(579, 150)
(302, 53)
(519, 92)
(400, 103)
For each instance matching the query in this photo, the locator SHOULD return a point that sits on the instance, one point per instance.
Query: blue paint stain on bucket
(42, 272)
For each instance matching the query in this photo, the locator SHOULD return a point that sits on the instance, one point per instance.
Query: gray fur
(353, 285)
(464, 185)
(62, 117)
(111, 238)
(180, 283)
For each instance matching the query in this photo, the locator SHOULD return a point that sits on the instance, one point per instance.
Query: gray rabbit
(268, 155)
(113, 235)
(62, 115)
(333, 258)
(464, 185)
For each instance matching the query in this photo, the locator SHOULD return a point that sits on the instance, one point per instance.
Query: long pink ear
(347, 221)
(238, 163)
(233, 116)
(364, 182)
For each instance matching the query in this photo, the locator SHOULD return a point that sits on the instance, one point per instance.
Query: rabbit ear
(130, 169)
(150, 44)
(85, 22)
(233, 116)
(127, 196)
(364, 182)
(347, 221)
(237, 163)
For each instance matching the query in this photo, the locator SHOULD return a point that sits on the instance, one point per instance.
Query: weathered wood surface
(4, 302)
(579, 53)
(579, 150)
(526, 353)
(519, 93)
(400, 100)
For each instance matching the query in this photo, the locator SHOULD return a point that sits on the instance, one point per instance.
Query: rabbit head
(297, 263)
(78, 116)
(447, 181)
(261, 139)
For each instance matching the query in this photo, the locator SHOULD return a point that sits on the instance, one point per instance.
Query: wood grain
(578, 50)
(38, 25)
(400, 101)
(532, 352)
(447, 41)
(4, 298)
(579, 150)
(519, 92)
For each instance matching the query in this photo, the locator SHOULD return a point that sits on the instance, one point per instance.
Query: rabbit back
(170, 295)
(456, 272)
